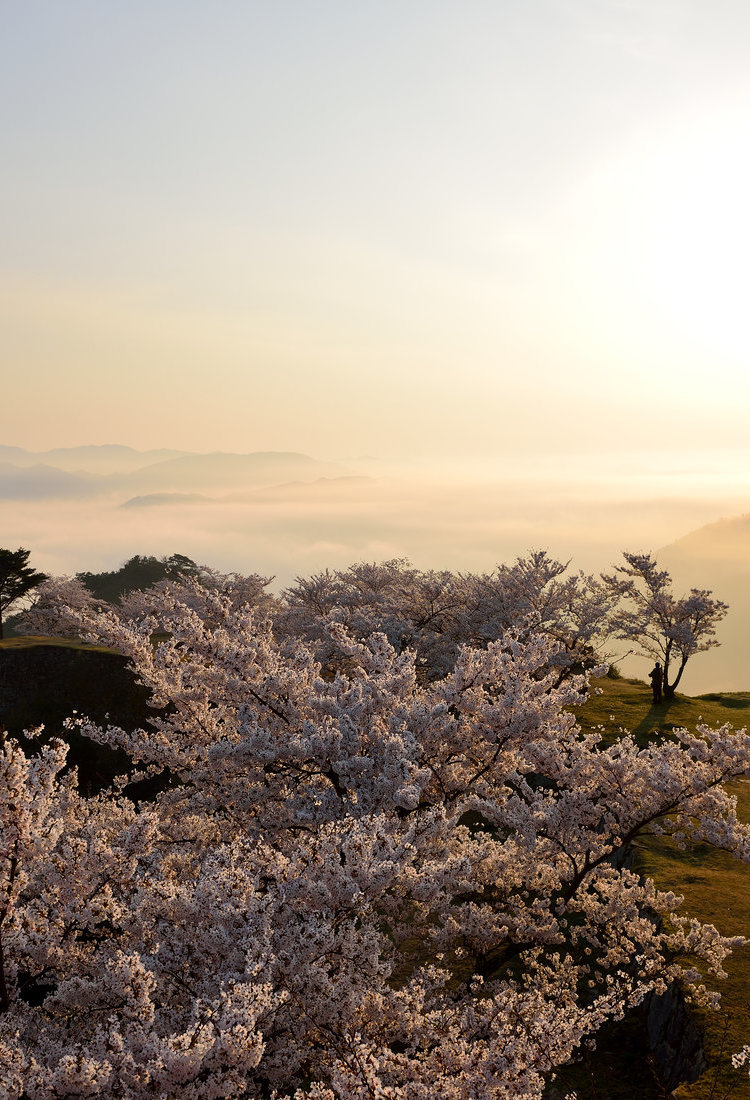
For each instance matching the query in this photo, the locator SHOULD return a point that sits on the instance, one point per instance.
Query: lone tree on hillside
(16, 579)
(664, 627)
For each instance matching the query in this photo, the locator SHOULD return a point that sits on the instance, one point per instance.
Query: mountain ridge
(192, 472)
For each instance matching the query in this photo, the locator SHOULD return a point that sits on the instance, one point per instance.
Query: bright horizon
(88, 510)
(288, 515)
(499, 249)
(410, 231)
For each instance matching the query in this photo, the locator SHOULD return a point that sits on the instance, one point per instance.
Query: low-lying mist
(288, 515)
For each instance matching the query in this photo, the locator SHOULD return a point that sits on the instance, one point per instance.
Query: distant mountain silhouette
(81, 472)
(231, 471)
(105, 459)
(717, 557)
(156, 500)
(42, 482)
(725, 540)
(321, 487)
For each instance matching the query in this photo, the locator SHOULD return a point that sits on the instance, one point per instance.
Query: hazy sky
(394, 228)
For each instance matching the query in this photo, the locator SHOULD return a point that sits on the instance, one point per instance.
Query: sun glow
(667, 236)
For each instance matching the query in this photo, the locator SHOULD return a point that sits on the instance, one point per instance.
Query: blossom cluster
(355, 881)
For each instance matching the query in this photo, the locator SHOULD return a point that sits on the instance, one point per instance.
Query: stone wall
(45, 684)
(675, 1040)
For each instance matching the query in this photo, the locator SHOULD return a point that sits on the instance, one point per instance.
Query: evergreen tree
(16, 579)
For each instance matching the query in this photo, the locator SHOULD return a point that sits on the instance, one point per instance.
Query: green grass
(715, 886)
(626, 704)
(30, 641)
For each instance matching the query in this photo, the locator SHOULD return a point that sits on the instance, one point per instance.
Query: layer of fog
(297, 516)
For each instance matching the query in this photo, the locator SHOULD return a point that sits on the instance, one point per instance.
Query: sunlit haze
(490, 257)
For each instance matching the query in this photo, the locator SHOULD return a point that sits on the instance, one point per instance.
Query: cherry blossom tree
(198, 591)
(56, 607)
(355, 884)
(435, 613)
(535, 594)
(60, 601)
(664, 627)
(425, 611)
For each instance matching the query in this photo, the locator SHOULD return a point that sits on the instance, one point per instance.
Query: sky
(490, 259)
(413, 230)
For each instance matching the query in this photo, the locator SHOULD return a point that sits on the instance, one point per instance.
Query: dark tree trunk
(670, 689)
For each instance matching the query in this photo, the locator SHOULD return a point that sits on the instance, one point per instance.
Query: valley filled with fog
(287, 514)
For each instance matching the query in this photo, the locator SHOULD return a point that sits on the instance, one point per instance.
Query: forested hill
(140, 571)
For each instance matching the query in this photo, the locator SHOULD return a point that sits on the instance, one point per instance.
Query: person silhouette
(656, 677)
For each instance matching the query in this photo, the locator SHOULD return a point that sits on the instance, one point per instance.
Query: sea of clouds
(286, 515)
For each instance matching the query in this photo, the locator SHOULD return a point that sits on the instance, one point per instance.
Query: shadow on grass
(736, 702)
(655, 722)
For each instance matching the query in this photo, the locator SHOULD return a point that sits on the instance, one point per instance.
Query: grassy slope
(716, 887)
(27, 641)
